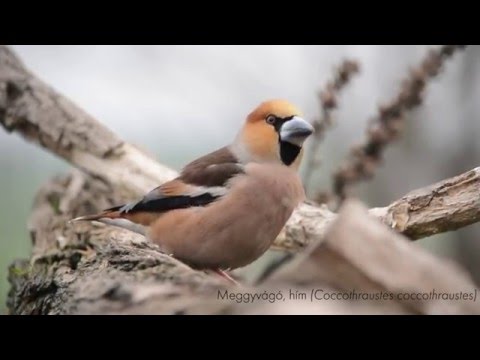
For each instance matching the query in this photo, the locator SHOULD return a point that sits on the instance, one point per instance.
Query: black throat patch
(288, 152)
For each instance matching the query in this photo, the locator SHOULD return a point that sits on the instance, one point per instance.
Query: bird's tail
(115, 217)
(112, 213)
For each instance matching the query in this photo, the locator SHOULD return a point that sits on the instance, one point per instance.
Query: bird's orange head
(273, 132)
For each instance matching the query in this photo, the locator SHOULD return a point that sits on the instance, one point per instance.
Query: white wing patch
(212, 190)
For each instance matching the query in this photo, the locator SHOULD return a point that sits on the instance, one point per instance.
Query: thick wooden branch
(445, 206)
(91, 268)
(364, 261)
(40, 114)
(84, 268)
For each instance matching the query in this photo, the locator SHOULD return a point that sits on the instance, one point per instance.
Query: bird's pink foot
(225, 275)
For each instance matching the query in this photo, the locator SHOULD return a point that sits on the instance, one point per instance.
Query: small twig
(386, 126)
(328, 103)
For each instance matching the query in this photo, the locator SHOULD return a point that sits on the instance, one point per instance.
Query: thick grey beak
(296, 131)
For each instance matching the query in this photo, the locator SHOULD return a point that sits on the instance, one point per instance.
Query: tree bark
(445, 206)
(41, 115)
(93, 268)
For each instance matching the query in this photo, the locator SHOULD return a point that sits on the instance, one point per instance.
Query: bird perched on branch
(226, 208)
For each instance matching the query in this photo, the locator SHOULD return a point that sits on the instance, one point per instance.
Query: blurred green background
(179, 102)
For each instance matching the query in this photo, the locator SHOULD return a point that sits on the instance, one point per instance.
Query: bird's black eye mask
(277, 122)
(288, 151)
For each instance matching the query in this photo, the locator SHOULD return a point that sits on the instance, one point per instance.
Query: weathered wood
(445, 206)
(93, 268)
(41, 115)
(84, 268)
(360, 257)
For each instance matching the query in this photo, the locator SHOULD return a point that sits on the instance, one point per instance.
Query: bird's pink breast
(239, 228)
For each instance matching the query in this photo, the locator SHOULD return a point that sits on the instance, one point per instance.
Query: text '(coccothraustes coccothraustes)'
(226, 208)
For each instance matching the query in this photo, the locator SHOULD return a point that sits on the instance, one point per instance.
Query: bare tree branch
(444, 206)
(40, 114)
(97, 269)
(360, 256)
(91, 268)
(106, 270)
(389, 122)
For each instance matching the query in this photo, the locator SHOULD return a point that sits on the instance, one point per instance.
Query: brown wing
(200, 183)
(214, 169)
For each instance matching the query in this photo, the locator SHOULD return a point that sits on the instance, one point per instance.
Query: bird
(225, 209)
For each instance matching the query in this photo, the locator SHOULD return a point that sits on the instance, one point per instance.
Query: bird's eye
(270, 119)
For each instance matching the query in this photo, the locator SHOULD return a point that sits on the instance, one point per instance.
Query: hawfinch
(226, 208)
